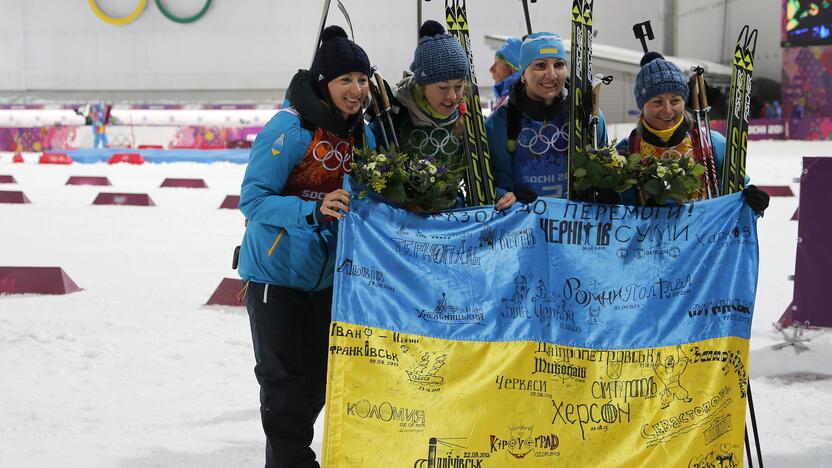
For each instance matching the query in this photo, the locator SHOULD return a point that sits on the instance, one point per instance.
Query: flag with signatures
(553, 334)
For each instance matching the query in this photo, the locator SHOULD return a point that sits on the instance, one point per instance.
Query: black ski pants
(289, 330)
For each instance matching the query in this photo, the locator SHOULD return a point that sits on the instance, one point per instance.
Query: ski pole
(697, 112)
(526, 14)
(642, 30)
(419, 17)
(596, 105)
(385, 106)
(377, 111)
(754, 427)
(706, 109)
(321, 28)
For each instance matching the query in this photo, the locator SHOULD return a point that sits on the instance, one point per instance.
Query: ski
(586, 92)
(739, 103)
(588, 112)
(479, 179)
(580, 82)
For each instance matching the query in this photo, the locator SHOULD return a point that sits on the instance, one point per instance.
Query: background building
(246, 51)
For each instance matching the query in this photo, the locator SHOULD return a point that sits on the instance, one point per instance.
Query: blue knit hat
(438, 57)
(510, 52)
(540, 45)
(658, 76)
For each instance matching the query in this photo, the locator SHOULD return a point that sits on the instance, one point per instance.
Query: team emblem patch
(277, 146)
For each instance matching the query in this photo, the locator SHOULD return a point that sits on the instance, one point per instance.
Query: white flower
(376, 174)
(433, 179)
(618, 160)
(371, 166)
(661, 171)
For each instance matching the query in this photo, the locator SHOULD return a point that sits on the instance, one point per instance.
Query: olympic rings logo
(675, 154)
(550, 136)
(332, 158)
(140, 8)
(429, 144)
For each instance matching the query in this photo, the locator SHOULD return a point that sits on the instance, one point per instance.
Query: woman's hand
(335, 202)
(505, 201)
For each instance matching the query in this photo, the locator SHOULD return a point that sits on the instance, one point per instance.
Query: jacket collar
(404, 94)
(678, 136)
(537, 110)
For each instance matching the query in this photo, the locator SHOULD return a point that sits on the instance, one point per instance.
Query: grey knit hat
(438, 57)
(658, 76)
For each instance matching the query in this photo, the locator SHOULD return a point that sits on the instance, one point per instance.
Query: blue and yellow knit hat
(510, 52)
(658, 76)
(438, 57)
(540, 45)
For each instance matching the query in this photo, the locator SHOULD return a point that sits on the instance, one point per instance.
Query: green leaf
(653, 187)
(580, 172)
(582, 184)
(394, 193)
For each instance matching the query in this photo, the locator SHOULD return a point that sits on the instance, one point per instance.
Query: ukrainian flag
(553, 334)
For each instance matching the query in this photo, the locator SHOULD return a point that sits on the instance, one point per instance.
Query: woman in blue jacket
(664, 127)
(528, 135)
(291, 194)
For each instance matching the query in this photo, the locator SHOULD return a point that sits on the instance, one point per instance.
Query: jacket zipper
(326, 260)
(276, 241)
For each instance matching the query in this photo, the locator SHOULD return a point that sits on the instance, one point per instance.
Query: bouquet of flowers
(603, 170)
(432, 186)
(422, 186)
(382, 173)
(670, 176)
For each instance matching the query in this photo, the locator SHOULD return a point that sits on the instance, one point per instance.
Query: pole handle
(599, 80)
(694, 93)
(703, 91)
(382, 91)
(643, 32)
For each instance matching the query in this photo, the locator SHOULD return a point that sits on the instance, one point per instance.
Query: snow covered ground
(134, 371)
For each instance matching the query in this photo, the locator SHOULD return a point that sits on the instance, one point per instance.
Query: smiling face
(444, 96)
(348, 92)
(662, 112)
(545, 78)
